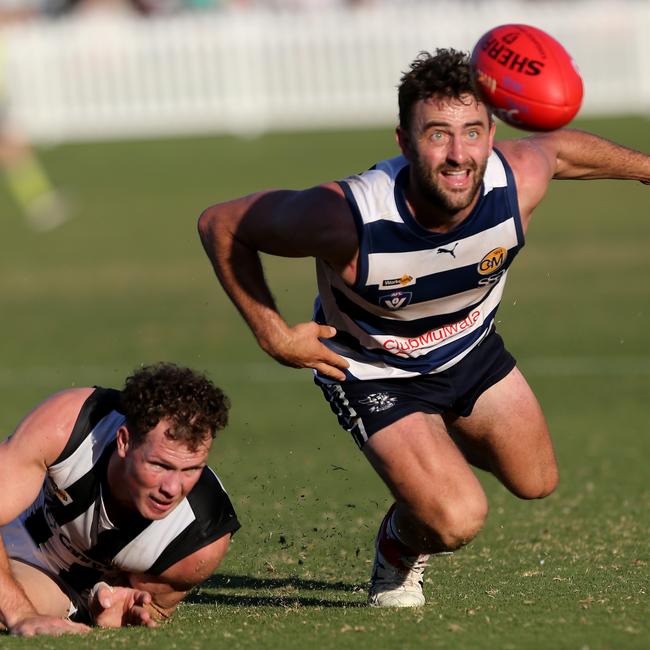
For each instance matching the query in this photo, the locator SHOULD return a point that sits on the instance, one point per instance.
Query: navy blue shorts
(365, 407)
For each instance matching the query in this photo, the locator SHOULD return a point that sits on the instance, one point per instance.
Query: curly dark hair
(194, 405)
(446, 74)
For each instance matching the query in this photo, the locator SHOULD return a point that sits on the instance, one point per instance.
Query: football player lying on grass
(109, 513)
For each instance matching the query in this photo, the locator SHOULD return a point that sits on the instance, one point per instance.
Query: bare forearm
(284, 223)
(581, 155)
(14, 604)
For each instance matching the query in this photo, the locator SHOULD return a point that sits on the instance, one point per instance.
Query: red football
(527, 77)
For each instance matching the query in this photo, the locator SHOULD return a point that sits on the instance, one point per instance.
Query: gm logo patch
(492, 261)
(396, 300)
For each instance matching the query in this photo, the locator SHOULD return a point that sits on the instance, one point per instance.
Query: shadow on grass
(266, 599)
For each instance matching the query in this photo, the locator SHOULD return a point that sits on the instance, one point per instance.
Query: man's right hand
(301, 348)
(119, 606)
(52, 625)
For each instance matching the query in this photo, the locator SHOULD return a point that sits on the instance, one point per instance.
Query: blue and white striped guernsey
(421, 300)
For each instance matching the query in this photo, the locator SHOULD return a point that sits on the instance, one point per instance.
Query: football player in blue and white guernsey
(109, 513)
(412, 258)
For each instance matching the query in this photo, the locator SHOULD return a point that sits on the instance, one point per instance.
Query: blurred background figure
(27, 179)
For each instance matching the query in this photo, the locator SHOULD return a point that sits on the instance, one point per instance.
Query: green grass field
(126, 283)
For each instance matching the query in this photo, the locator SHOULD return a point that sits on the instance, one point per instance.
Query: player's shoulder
(61, 406)
(532, 164)
(534, 154)
(517, 150)
(47, 427)
(65, 403)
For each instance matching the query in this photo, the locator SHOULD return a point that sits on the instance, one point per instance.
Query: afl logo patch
(492, 261)
(396, 300)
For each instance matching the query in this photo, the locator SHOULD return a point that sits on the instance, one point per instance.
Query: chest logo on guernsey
(492, 261)
(396, 300)
(404, 281)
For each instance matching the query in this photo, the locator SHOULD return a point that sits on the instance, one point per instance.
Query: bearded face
(450, 186)
(447, 145)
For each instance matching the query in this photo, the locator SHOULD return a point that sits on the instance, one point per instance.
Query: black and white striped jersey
(422, 300)
(69, 524)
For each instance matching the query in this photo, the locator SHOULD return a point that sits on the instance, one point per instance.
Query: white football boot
(397, 575)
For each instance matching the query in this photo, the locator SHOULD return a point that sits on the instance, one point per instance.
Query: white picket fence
(107, 76)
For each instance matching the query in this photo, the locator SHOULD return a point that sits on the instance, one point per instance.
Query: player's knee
(538, 485)
(456, 524)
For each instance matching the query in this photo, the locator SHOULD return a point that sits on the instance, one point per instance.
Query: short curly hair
(193, 404)
(445, 74)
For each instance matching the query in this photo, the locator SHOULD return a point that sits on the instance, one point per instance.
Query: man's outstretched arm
(568, 154)
(578, 155)
(314, 222)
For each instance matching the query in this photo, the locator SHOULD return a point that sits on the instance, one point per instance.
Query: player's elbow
(223, 222)
(210, 221)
